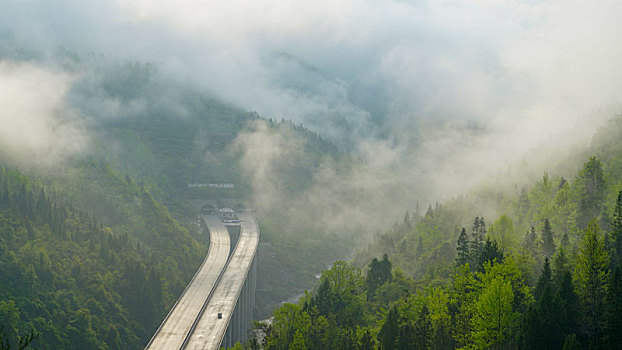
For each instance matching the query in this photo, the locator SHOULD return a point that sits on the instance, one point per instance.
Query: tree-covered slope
(504, 267)
(569, 193)
(79, 283)
(144, 137)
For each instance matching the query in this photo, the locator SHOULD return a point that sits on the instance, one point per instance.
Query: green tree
(542, 328)
(462, 296)
(494, 316)
(437, 301)
(509, 271)
(288, 320)
(530, 242)
(342, 294)
(503, 232)
(462, 248)
(592, 191)
(565, 218)
(545, 279)
(548, 245)
(395, 288)
(542, 198)
(479, 234)
(568, 317)
(379, 273)
(324, 299)
(490, 253)
(561, 265)
(591, 280)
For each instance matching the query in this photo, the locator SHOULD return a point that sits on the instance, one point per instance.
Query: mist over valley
(406, 162)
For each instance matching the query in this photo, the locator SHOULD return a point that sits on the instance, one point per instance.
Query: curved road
(210, 330)
(182, 316)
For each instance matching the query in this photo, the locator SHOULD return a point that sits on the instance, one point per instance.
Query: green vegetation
(494, 308)
(124, 242)
(78, 283)
(544, 275)
(95, 252)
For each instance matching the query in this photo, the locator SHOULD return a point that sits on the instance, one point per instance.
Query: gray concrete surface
(175, 327)
(232, 292)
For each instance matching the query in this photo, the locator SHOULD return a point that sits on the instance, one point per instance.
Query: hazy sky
(432, 87)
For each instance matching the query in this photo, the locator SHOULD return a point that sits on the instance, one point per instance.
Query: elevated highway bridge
(216, 308)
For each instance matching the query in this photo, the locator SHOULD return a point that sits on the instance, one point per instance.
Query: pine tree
(542, 198)
(545, 279)
(568, 318)
(591, 279)
(541, 327)
(323, 299)
(592, 191)
(530, 239)
(560, 265)
(479, 234)
(462, 248)
(548, 246)
(379, 272)
(490, 253)
(550, 307)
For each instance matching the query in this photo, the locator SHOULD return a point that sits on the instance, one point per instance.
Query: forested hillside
(78, 283)
(167, 134)
(124, 232)
(504, 267)
(436, 154)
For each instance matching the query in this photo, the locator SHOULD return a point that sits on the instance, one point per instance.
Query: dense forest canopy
(78, 283)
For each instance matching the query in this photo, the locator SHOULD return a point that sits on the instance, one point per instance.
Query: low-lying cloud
(433, 95)
(37, 131)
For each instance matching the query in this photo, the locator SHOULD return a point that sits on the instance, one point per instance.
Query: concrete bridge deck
(224, 284)
(234, 292)
(175, 327)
